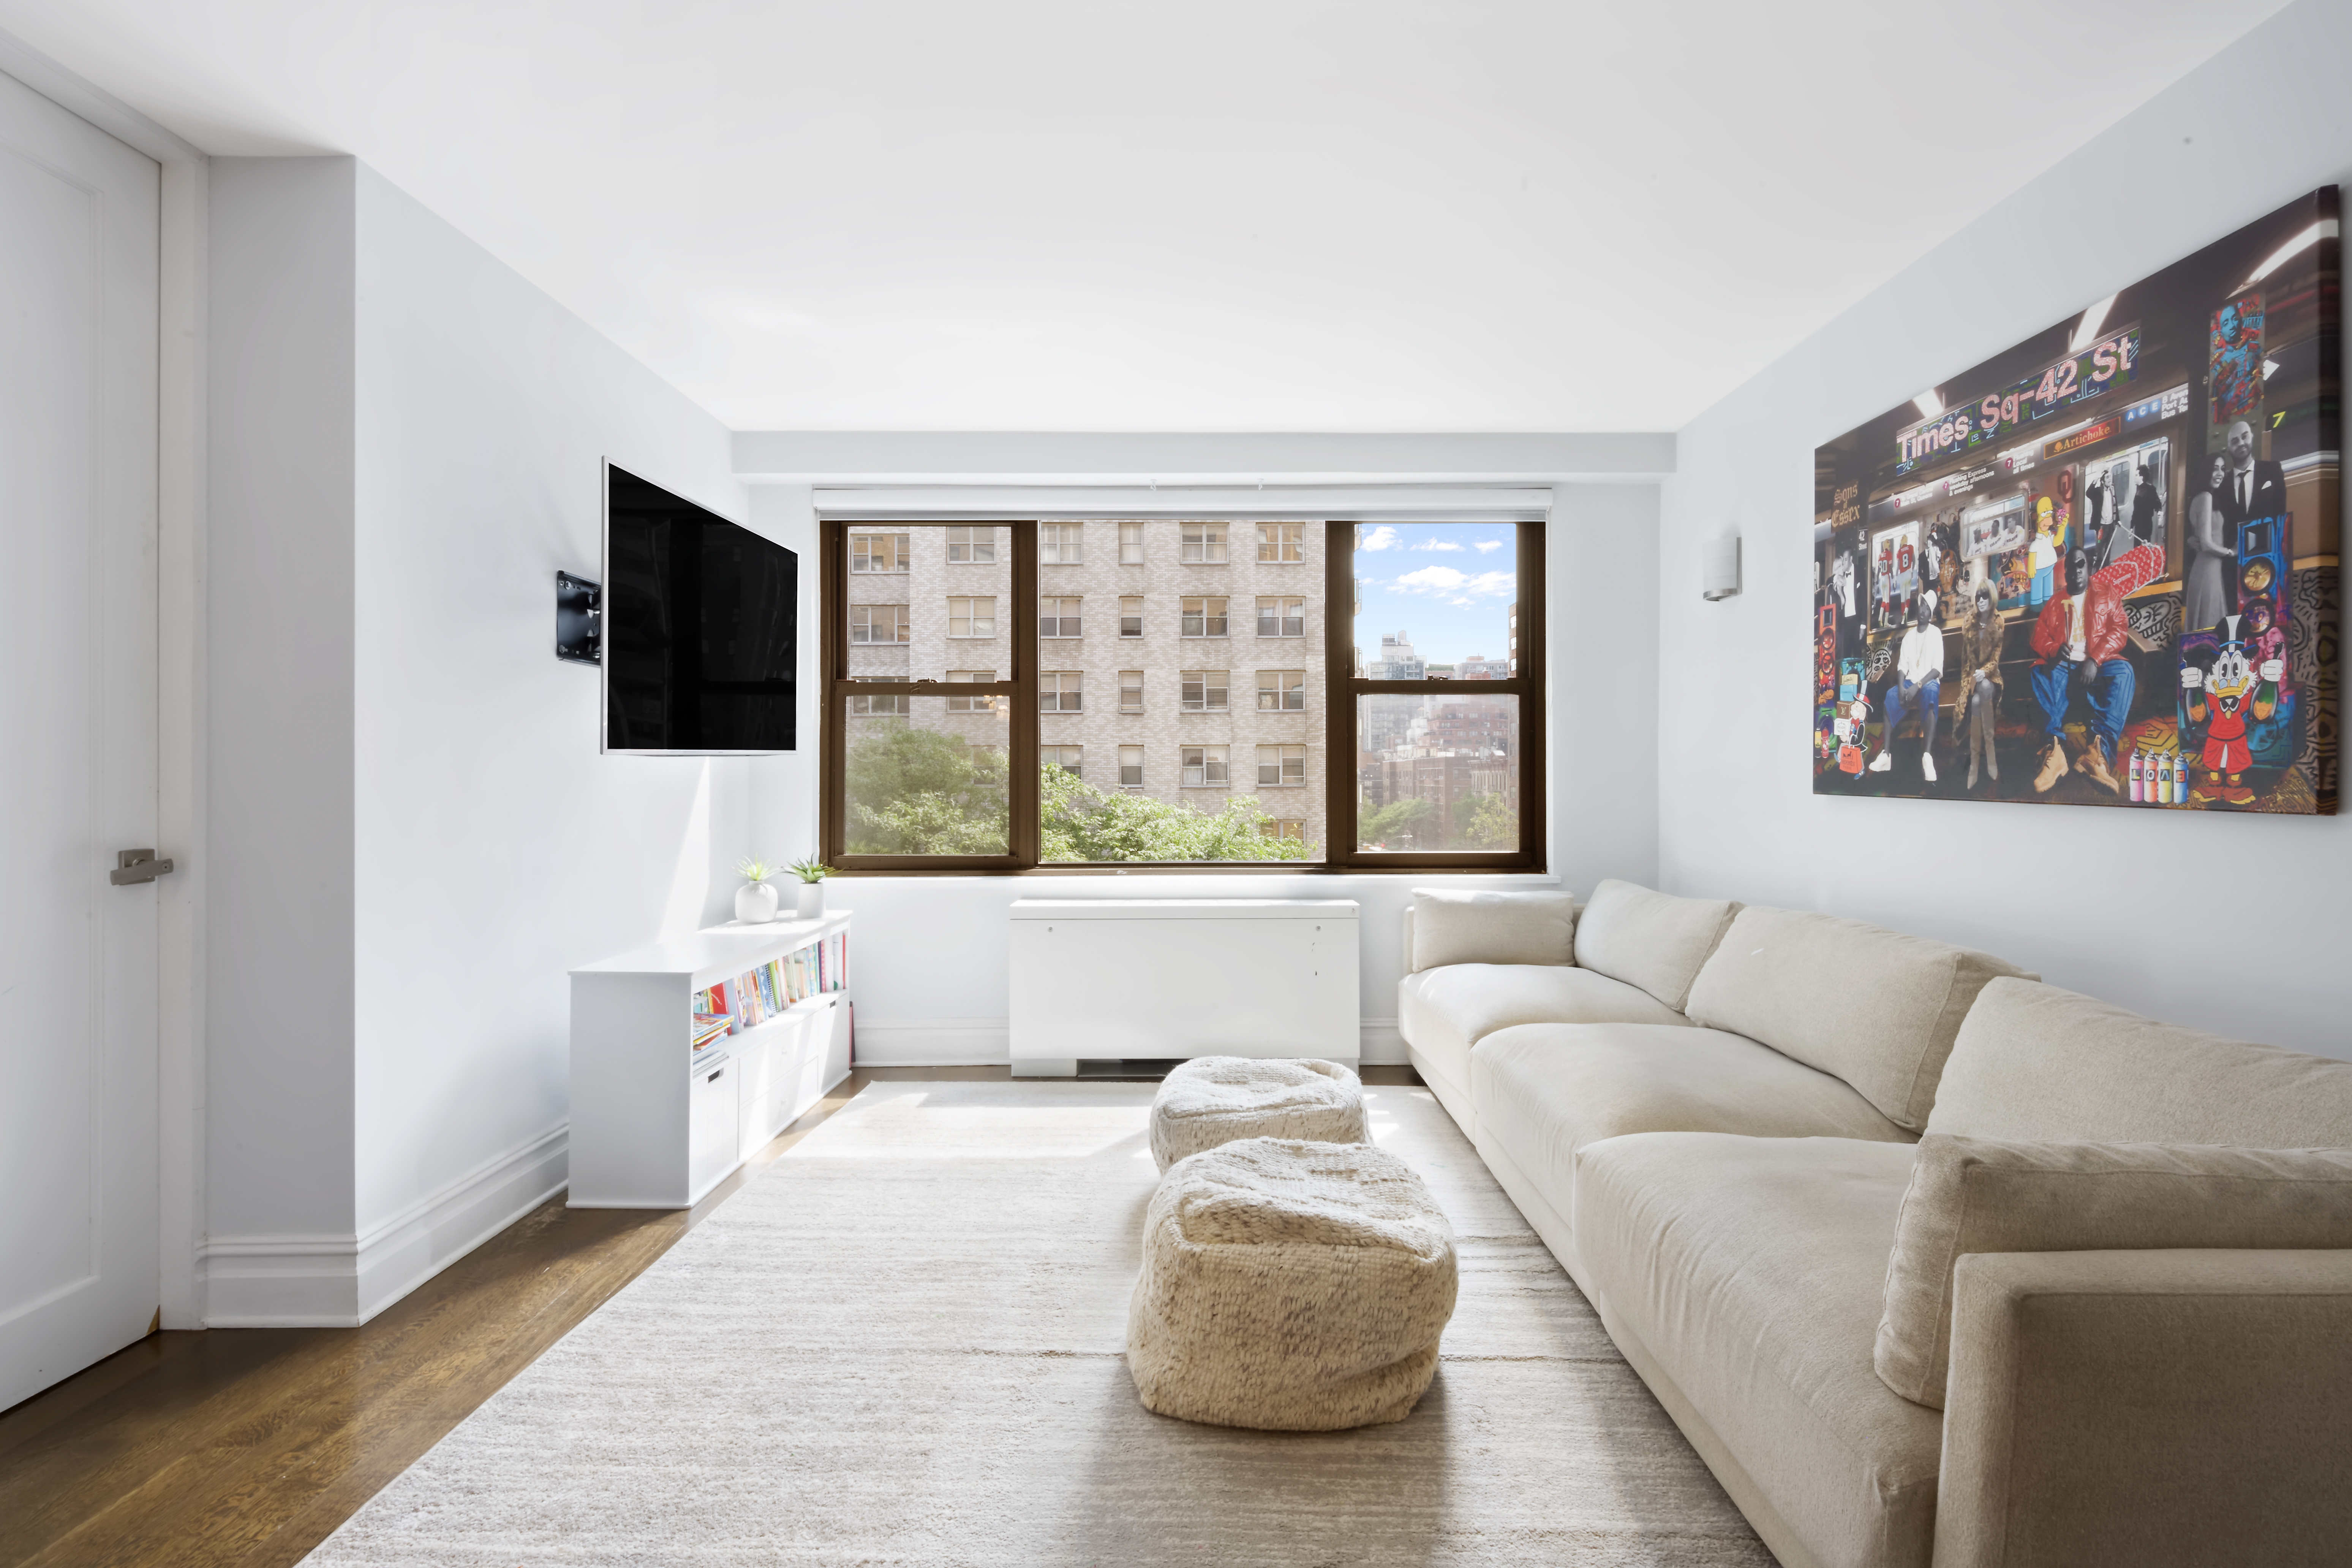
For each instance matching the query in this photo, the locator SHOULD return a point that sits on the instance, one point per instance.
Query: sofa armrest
(1409, 965)
(2180, 1406)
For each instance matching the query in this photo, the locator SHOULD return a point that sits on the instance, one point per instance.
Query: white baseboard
(987, 1042)
(932, 1042)
(342, 1281)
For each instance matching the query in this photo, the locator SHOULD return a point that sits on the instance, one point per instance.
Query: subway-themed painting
(2100, 569)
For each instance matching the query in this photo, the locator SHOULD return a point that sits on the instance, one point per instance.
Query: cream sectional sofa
(1712, 1115)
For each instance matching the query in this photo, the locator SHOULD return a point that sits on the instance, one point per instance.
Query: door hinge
(132, 866)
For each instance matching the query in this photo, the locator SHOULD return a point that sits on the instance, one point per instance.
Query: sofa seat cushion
(1442, 1012)
(1751, 1270)
(2041, 1065)
(1876, 1007)
(1649, 939)
(1542, 1092)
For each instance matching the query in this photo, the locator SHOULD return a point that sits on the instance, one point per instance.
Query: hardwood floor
(249, 1447)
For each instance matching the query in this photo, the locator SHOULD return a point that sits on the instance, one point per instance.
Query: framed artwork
(2100, 568)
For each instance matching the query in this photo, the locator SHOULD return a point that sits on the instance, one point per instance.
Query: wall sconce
(1720, 567)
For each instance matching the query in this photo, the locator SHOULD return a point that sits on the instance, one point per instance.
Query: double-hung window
(982, 766)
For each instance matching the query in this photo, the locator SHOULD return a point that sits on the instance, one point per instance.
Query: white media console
(654, 1124)
(1161, 978)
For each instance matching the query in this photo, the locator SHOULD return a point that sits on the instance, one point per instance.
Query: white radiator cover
(1182, 977)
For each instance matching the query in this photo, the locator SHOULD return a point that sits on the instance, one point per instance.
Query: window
(1204, 767)
(1057, 617)
(1281, 690)
(1205, 691)
(877, 552)
(1281, 765)
(878, 623)
(1281, 544)
(970, 704)
(1282, 617)
(1204, 544)
(1325, 744)
(1204, 618)
(969, 617)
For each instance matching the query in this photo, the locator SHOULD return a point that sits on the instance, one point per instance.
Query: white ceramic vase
(755, 903)
(812, 900)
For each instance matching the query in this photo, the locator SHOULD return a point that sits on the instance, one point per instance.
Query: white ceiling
(1199, 216)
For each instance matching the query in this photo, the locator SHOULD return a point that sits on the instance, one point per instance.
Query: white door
(78, 228)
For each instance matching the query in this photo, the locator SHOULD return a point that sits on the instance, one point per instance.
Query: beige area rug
(901, 1344)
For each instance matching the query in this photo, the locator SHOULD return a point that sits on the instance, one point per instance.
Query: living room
(1263, 557)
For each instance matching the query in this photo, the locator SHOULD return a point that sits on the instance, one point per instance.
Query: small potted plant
(755, 900)
(812, 874)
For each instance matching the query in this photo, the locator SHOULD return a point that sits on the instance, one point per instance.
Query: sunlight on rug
(901, 1344)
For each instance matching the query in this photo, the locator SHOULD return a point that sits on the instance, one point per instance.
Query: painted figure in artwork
(1918, 686)
(2078, 645)
(2219, 701)
(1886, 583)
(2251, 487)
(2212, 569)
(1849, 730)
(2265, 639)
(2041, 555)
(1981, 657)
(2237, 358)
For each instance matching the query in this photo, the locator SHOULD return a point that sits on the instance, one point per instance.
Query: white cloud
(1457, 587)
(1381, 537)
(1486, 545)
(1437, 544)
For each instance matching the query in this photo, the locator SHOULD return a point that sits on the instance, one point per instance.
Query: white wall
(2232, 923)
(415, 835)
(929, 953)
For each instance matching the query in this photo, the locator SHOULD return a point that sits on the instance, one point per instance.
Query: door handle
(135, 866)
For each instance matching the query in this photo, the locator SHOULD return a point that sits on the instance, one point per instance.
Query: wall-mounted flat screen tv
(702, 627)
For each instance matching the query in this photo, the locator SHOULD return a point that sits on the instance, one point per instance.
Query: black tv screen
(701, 625)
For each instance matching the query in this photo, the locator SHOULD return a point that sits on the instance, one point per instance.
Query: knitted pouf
(1290, 1286)
(1210, 1100)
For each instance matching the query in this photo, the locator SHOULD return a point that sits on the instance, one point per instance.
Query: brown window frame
(1023, 836)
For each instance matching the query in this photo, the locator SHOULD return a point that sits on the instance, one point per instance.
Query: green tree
(1391, 827)
(1486, 822)
(920, 792)
(1080, 822)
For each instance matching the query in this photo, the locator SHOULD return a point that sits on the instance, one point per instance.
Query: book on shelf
(757, 995)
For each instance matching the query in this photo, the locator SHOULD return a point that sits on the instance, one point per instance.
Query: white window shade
(1434, 503)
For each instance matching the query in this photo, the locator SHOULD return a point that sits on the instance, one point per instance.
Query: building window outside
(1281, 690)
(982, 704)
(1061, 543)
(1130, 544)
(1281, 765)
(969, 617)
(879, 706)
(870, 552)
(1059, 690)
(1282, 617)
(972, 546)
(1205, 691)
(1130, 767)
(1057, 617)
(1291, 827)
(878, 624)
(1130, 691)
(1281, 544)
(1204, 618)
(1066, 758)
(1130, 617)
(1204, 767)
(1204, 544)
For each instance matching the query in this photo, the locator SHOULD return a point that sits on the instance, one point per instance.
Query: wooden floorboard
(249, 1447)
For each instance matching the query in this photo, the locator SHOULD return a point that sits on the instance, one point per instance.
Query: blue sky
(1450, 584)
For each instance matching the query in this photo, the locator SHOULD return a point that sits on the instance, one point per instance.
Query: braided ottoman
(1210, 1100)
(1290, 1286)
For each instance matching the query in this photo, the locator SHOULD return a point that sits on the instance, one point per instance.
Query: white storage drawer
(712, 1127)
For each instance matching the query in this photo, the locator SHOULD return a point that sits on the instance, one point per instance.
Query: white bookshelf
(656, 1124)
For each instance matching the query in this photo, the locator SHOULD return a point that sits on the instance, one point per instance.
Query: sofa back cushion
(1652, 940)
(1451, 927)
(2035, 1062)
(1875, 1007)
(1991, 1195)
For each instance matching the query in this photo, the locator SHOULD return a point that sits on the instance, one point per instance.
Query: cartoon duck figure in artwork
(2222, 700)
